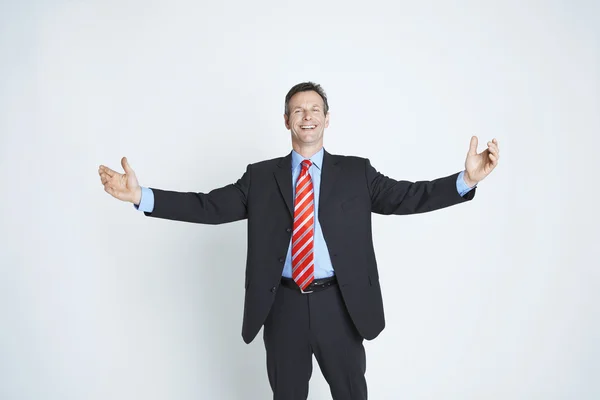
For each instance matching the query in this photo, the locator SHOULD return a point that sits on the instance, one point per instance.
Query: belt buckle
(304, 292)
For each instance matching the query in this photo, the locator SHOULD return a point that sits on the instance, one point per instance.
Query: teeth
(307, 127)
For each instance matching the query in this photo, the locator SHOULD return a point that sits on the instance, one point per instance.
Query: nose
(307, 116)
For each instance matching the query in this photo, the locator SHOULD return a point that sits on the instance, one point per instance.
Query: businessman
(311, 275)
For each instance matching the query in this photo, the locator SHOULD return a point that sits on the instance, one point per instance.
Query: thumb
(473, 146)
(125, 165)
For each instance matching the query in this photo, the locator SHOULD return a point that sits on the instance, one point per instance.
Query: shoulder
(267, 163)
(348, 159)
(270, 164)
(345, 161)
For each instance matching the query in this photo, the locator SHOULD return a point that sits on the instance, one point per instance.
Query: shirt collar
(316, 159)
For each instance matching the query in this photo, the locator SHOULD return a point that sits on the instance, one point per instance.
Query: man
(311, 275)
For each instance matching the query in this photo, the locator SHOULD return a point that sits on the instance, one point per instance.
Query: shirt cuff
(461, 187)
(146, 201)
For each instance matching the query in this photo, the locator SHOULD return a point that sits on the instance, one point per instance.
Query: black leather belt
(315, 286)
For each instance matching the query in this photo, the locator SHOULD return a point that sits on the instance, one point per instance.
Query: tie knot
(306, 164)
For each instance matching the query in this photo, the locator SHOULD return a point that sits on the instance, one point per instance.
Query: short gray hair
(306, 87)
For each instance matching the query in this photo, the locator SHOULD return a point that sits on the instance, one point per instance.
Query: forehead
(308, 98)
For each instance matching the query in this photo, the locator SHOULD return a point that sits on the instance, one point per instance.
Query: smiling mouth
(307, 127)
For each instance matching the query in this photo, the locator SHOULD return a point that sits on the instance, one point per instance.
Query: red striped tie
(302, 238)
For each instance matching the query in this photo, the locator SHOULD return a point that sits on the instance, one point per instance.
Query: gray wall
(495, 299)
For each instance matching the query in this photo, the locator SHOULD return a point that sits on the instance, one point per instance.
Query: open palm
(121, 186)
(478, 166)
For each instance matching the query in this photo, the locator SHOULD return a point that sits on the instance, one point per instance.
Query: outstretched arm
(225, 204)
(219, 206)
(389, 196)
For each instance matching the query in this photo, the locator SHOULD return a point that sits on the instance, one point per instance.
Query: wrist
(468, 181)
(137, 196)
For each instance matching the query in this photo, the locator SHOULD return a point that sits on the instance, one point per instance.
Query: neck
(307, 151)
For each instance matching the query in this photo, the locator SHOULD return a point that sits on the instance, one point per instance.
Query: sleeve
(461, 185)
(146, 201)
(390, 196)
(226, 204)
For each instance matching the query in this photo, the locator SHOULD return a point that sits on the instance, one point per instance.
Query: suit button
(274, 289)
(281, 259)
(288, 230)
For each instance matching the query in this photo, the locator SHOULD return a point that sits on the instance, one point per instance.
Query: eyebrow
(314, 105)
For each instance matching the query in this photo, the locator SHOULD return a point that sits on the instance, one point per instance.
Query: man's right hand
(124, 187)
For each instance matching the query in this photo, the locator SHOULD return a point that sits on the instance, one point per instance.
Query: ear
(327, 120)
(287, 121)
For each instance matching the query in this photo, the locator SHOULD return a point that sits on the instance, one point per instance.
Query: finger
(493, 148)
(473, 146)
(125, 165)
(110, 190)
(106, 178)
(497, 153)
(493, 159)
(107, 170)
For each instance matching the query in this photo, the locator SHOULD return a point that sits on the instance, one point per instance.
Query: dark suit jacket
(351, 189)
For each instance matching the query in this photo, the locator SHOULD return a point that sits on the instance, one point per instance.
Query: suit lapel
(329, 175)
(329, 172)
(283, 175)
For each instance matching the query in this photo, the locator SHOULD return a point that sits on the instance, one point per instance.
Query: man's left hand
(478, 166)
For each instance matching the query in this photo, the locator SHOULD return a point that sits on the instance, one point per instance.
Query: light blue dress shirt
(323, 266)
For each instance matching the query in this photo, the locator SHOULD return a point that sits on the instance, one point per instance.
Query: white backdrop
(494, 299)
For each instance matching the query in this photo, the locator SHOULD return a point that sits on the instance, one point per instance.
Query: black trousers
(300, 325)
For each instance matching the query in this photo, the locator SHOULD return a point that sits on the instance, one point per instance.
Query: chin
(309, 139)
